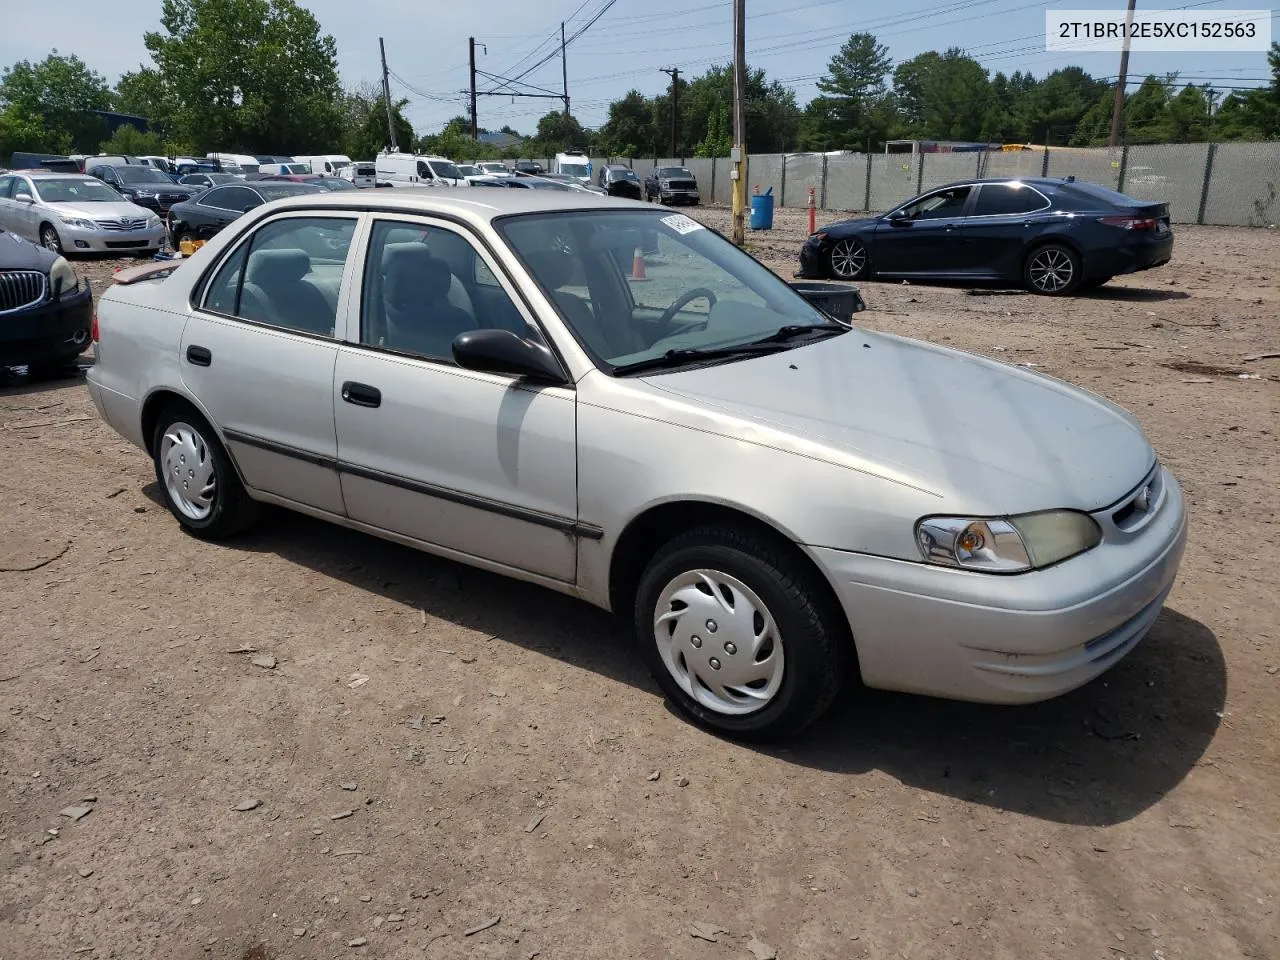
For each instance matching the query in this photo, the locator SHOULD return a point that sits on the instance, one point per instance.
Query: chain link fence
(1227, 184)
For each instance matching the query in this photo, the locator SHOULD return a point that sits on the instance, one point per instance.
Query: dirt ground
(437, 749)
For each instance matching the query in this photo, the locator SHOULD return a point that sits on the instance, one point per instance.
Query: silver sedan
(614, 402)
(72, 213)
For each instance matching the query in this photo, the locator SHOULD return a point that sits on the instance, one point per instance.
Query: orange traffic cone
(637, 265)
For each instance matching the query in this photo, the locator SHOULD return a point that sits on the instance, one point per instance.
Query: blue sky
(427, 44)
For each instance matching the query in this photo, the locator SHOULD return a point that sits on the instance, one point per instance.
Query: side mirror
(900, 220)
(24, 198)
(501, 351)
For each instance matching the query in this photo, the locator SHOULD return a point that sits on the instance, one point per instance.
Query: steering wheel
(683, 301)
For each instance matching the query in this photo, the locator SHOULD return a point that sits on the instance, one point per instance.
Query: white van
(285, 169)
(237, 163)
(573, 163)
(411, 170)
(326, 164)
(362, 173)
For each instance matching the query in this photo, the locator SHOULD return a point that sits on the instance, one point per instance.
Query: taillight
(93, 327)
(1131, 223)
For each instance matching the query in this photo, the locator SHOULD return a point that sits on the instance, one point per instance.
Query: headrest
(552, 266)
(269, 267)
(413, 275)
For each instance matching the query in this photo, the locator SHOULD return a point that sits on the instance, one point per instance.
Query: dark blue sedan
(1051, 236)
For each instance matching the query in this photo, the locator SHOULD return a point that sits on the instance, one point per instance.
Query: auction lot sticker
(682, 224)
(1158, 30)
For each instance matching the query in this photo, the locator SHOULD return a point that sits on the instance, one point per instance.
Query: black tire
(813, 636)
(1052, 270)
(232, 509)
(849, 259)
(49, 239)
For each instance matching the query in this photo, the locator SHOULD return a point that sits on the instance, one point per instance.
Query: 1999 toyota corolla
(776, 500)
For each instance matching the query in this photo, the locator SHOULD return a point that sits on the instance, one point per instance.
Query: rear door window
(1000, 199)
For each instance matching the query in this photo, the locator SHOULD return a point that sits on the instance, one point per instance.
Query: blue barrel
(762, 211)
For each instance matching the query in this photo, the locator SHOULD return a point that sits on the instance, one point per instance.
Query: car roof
(480, 210)
(52, 175)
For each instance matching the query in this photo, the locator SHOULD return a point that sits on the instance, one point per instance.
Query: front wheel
(738, 633)
(200, 485)
(1052, 270)
(849, 259)
(50, 240)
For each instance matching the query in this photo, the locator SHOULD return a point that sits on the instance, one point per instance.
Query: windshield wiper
(793, 330)
(676, 358)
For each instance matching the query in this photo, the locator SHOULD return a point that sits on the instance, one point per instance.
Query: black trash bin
(835, 299)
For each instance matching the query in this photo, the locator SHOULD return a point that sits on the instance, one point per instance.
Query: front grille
(123, 223)
(1140, 504)
(20, 289)
(172, 197)
(684, 185)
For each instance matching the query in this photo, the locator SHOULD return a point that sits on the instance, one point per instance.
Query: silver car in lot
(778, 502)
(73, 213)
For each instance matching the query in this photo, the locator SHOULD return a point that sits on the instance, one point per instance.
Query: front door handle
(200, 356)
(361, 394)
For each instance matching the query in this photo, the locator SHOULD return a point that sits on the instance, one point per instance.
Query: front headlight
(1008, 545)
(62, 278)
(78, 222)
(153, 221)
(144, 193)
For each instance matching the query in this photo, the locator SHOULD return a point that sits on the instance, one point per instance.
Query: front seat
(553, 267)
(418, 317)
(275, 292)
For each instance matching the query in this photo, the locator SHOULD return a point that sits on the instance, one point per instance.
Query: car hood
(101, 210)
(19, 254)
(855, 225)
(986, 437)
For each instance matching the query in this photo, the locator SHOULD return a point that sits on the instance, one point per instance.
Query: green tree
(20, 132)
(628, 131)
(559, 132)
(57, 97)
(129, 140)
(143, 93)
(372, 136)
(1187, 117)
(941, 96)
(849, 110)
(1145, 111)
(251, 75)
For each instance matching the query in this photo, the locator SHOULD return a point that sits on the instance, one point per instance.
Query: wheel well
(1060, 241)
(645, 535)
(151, 413)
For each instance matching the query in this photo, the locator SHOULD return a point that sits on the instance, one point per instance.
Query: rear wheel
(738, 633)
(1052, 270)
(200, 485)
(849, 259)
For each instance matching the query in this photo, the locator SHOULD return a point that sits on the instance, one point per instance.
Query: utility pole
(674, 74)
(386, 96)
(564, 74)
(1117, 111)
(739, 153)
(475, 129)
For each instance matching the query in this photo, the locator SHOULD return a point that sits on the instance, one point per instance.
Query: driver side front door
(929, 242)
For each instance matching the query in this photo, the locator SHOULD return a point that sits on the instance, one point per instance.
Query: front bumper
(52, 332)
(815, 264)
(1008, 639)
(679, 196)
(80, 240)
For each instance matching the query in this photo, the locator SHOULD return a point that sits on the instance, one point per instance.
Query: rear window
(363, 171)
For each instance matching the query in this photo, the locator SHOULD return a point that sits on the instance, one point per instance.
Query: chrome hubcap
(848, 257)
(188, 471)
(719, 642)
(1051, 270)
(51, 241)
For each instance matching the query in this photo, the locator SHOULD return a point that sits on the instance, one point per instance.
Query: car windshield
(624, 173)
(295, 168)
(334, 183)
(445, 169)
(541, 183)
(494, 167)
(467, 170)
(671, 173)
(575, 169)
(366, 171)
(278, 191)
(698, 293)
(76, 190)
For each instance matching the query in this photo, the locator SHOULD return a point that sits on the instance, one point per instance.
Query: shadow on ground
(1099, 755)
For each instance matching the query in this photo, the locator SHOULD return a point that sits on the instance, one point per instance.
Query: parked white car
(769, 496)
(494, 169)
(74, 213)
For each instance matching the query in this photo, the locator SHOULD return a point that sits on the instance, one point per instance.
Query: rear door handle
(361, 394)
(200, 356)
